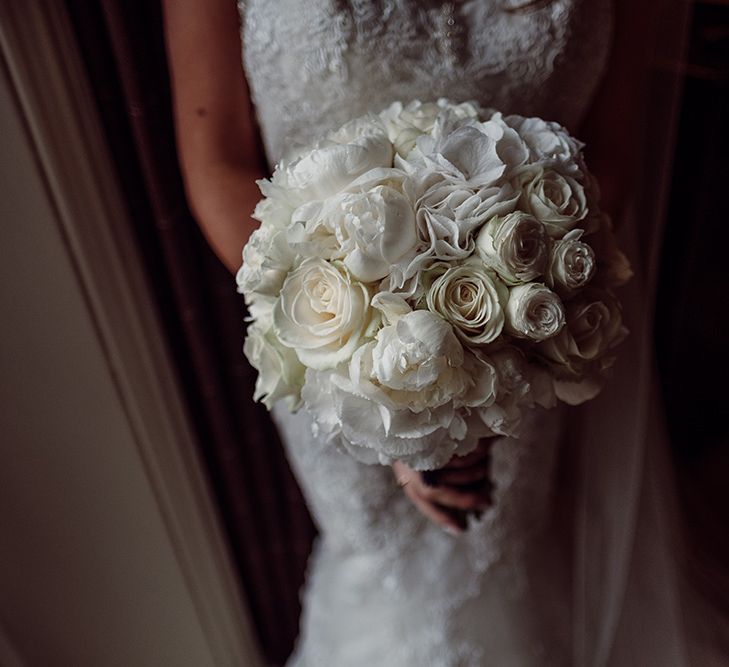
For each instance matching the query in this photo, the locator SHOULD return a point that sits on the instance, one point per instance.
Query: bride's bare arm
(216, 133)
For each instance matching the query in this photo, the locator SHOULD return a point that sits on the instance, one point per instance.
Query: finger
(439, 515)
(476, 456)
(459, 499)
(470, 475)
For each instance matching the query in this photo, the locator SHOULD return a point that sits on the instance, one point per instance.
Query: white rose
(358, 147)
(516, 246)
(534, 312)
(614, 267)
(572, 264)
(582, 352)
(471, 299)
(594, 327)
(322, 313)
(546, 139)
(267, 259)
(554, 198)
(406, 123)
(280, 373)
(368, 230)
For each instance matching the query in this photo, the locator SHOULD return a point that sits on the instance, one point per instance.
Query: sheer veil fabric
(632, 603)
(311, 66)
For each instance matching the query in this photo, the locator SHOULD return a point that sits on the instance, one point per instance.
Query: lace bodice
(314, 64)
(385, 586)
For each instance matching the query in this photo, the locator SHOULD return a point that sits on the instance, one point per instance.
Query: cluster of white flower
(424, 275)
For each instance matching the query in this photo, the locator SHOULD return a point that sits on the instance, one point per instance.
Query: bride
(567, 562)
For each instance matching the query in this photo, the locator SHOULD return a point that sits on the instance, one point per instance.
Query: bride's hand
(445, 495)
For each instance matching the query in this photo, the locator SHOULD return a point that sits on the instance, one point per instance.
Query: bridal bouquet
(423, 276)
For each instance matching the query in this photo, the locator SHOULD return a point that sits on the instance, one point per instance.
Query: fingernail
(452, 530)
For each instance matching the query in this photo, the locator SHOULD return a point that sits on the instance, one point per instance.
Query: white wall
(96, 569)
(87, 572)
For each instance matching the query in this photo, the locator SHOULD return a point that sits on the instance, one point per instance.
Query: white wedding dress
(385, 587)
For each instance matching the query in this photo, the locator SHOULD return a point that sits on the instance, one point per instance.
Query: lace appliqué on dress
(314, 65)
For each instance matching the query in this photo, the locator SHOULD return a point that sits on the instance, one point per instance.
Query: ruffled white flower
(534, 312)
(267, 259)
(556, 199)
(516, 246)
(447, 216)
(456, 182)
(474, 155)
(572, 264)
(469, 297)
(368, 231)
(322, 313)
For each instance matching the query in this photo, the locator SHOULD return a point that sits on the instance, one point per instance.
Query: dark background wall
(692, 319)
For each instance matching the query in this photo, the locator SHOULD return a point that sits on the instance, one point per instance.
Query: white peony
(534, 312)
(398, 398)
(547, 140)
(405, 123)
(522, 386)
(572, 264)
(420, 357)
(483, 380)
(328, 168)
(556, 199)
(267, 258)
(368, 230)
(280, 373)
(322, 313)
(503, 417)
(471, 298)
(516, 246)
(374, 429)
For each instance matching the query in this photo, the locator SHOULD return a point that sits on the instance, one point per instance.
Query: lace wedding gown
(385, 586)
